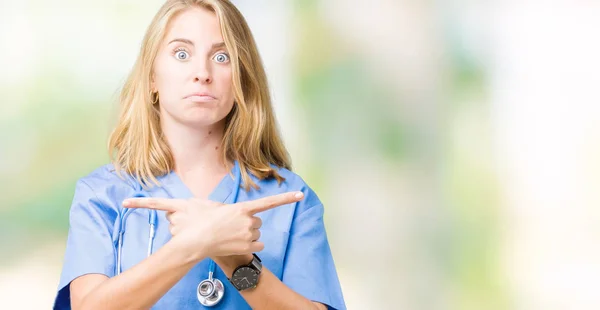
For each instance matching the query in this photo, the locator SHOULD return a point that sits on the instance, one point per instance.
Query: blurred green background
(455, 144)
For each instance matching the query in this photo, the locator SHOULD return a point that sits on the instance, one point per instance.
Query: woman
(219, 209)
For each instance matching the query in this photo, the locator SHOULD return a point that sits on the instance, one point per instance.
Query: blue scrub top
(296, 247)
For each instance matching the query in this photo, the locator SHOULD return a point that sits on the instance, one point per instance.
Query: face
(192, 71)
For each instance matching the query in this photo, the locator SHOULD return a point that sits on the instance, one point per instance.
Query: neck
(196, 150)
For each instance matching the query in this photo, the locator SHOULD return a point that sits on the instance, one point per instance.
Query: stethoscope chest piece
(210, 291)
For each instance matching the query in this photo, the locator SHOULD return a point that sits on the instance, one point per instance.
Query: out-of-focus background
(456, 144)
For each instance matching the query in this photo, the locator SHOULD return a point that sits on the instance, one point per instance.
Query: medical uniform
(296, 247)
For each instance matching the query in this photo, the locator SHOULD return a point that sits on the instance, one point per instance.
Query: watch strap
(256, 263)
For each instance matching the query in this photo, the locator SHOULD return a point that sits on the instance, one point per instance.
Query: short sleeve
(309, 269)
(90, 248)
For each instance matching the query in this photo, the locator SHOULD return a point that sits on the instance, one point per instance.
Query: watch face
(244, 278)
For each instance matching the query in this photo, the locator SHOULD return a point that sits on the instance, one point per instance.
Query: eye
(221, 57)
(181, 54)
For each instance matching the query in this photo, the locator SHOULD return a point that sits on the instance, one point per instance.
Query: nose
(203, 74)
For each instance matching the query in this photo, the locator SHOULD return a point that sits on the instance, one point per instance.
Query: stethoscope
(210, 291)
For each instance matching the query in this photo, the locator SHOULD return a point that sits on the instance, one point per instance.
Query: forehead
(198, 25)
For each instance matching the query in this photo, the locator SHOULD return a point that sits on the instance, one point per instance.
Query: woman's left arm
(270, 293)
(309, 278)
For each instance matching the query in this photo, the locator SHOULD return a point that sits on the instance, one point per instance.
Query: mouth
(200, 97)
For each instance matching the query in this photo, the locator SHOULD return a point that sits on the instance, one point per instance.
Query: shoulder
(105, 175)
(104, 187)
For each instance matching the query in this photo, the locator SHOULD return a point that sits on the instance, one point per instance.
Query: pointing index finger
(270, 202)
(164, 204)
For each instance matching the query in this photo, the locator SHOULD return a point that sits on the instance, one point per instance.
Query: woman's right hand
(206, 228)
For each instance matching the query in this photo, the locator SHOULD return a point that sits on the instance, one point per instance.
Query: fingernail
(126, 203)
(299, 195)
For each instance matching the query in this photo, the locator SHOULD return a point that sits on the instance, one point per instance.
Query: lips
(200, 97)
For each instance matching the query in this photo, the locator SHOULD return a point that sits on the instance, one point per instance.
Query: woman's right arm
(137, 288)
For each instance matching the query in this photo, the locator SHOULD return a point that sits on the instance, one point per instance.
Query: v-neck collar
(175, 187)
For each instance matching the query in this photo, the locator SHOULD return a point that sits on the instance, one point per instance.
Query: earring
(155, 95)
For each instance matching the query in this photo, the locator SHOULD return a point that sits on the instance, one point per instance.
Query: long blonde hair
(251, 136)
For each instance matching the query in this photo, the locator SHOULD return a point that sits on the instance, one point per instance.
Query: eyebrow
(214, 46)
(183, 41)
(218, 45)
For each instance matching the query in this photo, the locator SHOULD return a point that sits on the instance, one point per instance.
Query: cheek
(226, 84)
(168, 77)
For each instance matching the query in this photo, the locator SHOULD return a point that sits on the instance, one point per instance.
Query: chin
(202, 121)
(199, 117)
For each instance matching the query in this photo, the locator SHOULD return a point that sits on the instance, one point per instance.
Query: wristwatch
(246, 276)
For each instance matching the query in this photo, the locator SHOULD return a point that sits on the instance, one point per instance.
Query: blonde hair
(251, 137)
